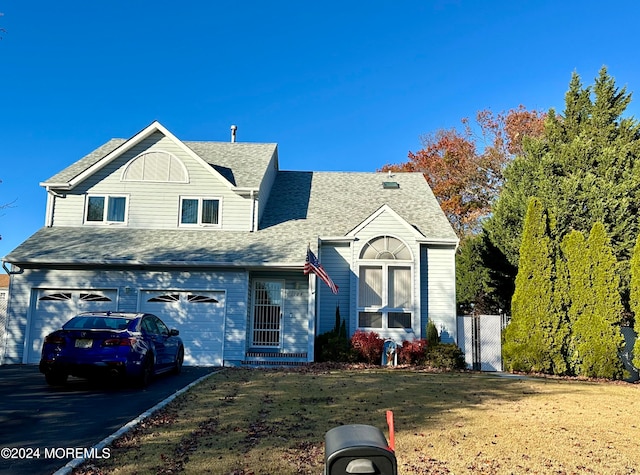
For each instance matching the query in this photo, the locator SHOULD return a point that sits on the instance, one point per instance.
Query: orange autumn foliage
(465, 169)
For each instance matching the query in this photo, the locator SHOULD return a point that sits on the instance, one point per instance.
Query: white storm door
(266, 326)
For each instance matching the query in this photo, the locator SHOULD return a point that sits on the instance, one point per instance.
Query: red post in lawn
(392, 435)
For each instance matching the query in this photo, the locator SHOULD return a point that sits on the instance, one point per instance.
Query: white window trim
(384, 309)
(104, 221)
(199, 224)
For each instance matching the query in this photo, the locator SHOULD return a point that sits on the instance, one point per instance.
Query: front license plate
(84, 343)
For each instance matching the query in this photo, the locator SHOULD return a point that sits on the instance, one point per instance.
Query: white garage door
(199, 315)
(53, 308)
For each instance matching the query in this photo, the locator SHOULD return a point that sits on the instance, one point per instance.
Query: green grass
(248, 421)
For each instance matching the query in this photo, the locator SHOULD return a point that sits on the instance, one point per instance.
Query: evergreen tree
(484, 278)
(595, 309)
(585, 168)
(634, 299)
(535, 338)
(574, 249)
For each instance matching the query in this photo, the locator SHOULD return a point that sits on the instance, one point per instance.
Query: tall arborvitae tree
(595, 310)
(634, 299)
(585, 168)
(576, 259)
(534, 340)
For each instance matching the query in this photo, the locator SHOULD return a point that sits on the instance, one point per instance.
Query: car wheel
(147, 372)
(55, 378)
(179, 360)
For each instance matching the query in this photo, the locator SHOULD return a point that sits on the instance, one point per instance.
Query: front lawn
(257, 421)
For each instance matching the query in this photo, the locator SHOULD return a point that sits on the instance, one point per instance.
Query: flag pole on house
(312, 265)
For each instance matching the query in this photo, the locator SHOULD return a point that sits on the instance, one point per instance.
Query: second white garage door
(198, 315)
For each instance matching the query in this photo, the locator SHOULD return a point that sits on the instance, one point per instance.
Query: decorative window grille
(94, 298)
(267, 314)
(385, 284)
(59, 296)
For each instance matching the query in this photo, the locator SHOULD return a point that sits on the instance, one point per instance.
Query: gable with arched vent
(156, 166)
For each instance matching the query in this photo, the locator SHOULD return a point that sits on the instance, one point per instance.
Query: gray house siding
(441, 284)
(265, 186)
(155, 204)
(127, 286)
(336, 260)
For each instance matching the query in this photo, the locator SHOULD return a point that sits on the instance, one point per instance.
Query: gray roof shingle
(242, 164)
(303, 206)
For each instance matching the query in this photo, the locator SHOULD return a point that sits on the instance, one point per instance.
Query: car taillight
(119, 341)
(54, 339)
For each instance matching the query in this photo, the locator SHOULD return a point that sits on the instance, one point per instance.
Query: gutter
(130, 262)
(11, 272)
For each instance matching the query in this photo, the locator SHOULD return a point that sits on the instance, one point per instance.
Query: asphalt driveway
(77, 416)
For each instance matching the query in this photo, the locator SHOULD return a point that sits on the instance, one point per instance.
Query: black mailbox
(358, 448)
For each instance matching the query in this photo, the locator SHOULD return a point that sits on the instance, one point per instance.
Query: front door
(267, 314)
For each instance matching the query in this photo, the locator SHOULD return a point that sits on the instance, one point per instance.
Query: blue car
(135, 346)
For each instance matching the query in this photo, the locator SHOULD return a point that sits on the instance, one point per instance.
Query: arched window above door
(386, 247)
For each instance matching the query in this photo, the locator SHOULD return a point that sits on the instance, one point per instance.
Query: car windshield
(91, 322)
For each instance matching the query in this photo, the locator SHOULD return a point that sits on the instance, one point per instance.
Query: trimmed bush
(367, 346)
(333, 345)
(445, 356)
(432, 334)
(413, 352)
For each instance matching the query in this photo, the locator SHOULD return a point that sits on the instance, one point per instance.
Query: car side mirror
(173, 332)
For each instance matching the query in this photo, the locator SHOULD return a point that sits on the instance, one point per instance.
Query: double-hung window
(385, 285)
(106, 209)
(199, 212)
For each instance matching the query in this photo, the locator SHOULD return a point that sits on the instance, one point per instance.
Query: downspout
(11, 272)
(254, 203)
(51, 199)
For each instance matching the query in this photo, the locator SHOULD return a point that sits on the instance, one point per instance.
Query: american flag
(312, 264)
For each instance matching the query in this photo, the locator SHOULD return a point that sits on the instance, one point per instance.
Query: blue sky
(349, 85)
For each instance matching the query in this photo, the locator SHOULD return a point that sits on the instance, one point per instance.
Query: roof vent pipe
(233, 133)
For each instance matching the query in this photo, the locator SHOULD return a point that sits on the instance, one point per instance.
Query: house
(4, 287)
(212, 237)
(4, 300)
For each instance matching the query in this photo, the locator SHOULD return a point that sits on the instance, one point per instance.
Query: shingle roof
(303, 206)
(85, 162)
(333, 203)
(242, 164)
